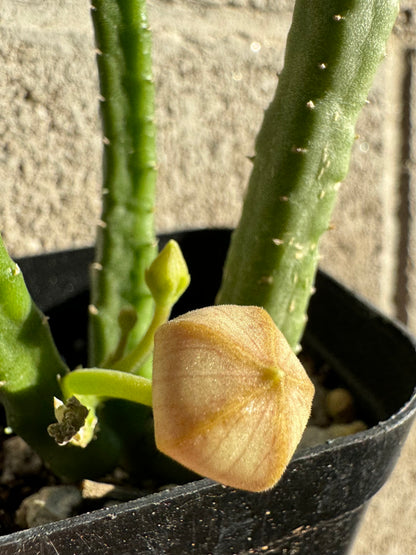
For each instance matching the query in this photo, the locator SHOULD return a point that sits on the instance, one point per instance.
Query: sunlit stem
(134, 360)
(105, 383)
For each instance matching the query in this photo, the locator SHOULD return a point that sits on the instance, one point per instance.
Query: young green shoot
(167, 279)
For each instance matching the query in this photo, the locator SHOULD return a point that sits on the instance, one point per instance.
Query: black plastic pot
(316, 506)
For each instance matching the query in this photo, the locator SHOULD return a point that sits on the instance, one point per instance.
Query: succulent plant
(234, 374)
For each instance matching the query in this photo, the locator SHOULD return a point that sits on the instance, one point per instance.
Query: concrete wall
(215, 71)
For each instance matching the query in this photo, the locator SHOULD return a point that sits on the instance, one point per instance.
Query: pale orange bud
(230, 398)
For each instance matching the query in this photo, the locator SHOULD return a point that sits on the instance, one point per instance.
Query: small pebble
(19, 460)
(339, 405)
(108, 491)
(49, 504)
(94, 490)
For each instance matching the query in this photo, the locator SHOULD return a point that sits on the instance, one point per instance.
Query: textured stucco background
(215, 70)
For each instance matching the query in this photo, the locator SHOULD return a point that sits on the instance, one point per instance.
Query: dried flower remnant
(230, 398)
(75, 423)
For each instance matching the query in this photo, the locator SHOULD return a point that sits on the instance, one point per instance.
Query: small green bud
(168, 276)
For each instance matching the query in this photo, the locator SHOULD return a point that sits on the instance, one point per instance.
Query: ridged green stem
(126, 242)
(302, 155)
(29, 366)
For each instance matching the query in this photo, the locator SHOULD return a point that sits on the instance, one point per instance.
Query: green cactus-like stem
(126, 242)
(302, 154)
(29, 369)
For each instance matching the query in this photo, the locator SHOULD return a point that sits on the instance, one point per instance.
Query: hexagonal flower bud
(168, 276)
(230, 398)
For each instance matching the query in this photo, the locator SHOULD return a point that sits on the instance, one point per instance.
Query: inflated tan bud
(230, 398)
